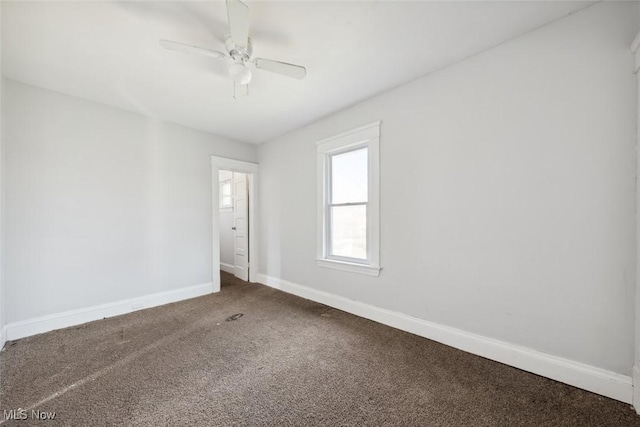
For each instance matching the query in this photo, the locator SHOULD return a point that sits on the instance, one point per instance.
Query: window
(225, 194)
(347, 200)
(348, 207)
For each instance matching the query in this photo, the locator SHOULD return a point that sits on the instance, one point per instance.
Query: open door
(241, 226)
(248, 258)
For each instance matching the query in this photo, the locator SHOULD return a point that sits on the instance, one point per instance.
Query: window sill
(369, 270)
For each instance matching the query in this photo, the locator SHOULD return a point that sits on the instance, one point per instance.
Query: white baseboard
(636, 390)
(25, 328)
(596, 380)
(229, 268)
(3, 336)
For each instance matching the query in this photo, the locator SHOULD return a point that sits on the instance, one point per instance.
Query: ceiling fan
(239, 50)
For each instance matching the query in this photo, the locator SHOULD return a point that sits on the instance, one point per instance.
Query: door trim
(251, 169)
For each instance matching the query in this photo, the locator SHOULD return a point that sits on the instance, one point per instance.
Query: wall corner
(3, 335)
(635, 48)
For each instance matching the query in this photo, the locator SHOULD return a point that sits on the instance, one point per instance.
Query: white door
(241, 226)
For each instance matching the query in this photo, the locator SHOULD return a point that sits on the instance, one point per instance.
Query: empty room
(319, 213)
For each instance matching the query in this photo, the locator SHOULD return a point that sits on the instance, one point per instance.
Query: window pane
(349, 231)
(349, 177)
(225, 193)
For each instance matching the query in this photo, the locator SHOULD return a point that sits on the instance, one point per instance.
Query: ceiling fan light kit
(239, 49)
(240, 74)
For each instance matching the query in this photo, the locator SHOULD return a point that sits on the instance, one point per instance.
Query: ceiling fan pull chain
(240, 91)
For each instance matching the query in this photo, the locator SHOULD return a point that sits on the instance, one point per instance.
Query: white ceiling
(108, 52)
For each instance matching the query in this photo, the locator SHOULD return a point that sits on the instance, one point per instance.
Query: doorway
(234, 210)
(234, 223)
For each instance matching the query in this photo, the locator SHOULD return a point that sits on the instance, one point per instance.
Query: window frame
(223, 207)
(366, 136)
(329, 205)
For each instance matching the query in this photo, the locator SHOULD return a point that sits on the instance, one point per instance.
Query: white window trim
(365, 136)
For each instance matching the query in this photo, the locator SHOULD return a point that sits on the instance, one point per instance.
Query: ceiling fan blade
(187, 48)
(289, 70)
(238, 14)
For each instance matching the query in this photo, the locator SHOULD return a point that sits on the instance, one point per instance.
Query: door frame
(251, 170)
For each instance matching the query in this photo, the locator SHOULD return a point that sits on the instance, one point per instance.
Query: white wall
(507, 193)
(2, 322)
(226, 222)
(101, 204)
(636, 368)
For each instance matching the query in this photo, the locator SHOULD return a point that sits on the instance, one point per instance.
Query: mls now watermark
(23, 415)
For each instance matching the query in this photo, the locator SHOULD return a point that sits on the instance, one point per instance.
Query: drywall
(635, 48)
(2, 330)
(507, 194)
(226, 222)
(101, 205)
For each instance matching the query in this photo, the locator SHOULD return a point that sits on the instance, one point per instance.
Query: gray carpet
(287, 361)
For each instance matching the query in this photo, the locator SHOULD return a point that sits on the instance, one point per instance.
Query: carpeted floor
(287, 361)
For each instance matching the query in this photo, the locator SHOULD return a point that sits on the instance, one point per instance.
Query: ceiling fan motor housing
(238, 53)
